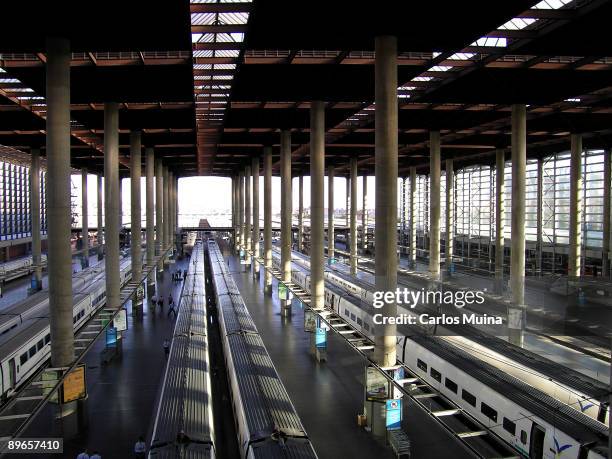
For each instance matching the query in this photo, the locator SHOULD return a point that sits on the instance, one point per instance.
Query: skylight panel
(9, 80)
(202, 18)
(517, 24)
(422, 78)
(550, 4)
(227, 53)
(440, 68)
(233, 18)
(195, 37)
(494, 42)
(573, 99)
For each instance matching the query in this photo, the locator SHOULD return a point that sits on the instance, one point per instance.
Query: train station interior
(272, 229)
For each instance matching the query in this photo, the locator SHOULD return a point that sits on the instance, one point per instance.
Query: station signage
(310, 321)
(111, 336)
(377, 386)
(283, 292)
(120, 322)
(321, 337)
(74, 386)
(393, 409)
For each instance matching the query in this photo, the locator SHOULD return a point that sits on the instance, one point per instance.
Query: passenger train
(534, 423)
(594, 406)
(15, 314)
(24, 349)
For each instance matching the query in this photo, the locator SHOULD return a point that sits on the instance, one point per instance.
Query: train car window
(352, 316)
(32, 351)
(359, 321)
(509, 426)
(23, 358)
(366, 326)
(451, 385)
(435, 374)
(40, 345)
(488, 411)
(422, 365)
(471, 399)
(347, 313)
(47, 339)
(523, 437)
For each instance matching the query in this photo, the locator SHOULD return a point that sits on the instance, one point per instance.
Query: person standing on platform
(95, 455)
(140, 448)
(166, 346)
(83, 455)
(160, 302)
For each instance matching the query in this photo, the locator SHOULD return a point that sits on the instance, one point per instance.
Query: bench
(400, 443)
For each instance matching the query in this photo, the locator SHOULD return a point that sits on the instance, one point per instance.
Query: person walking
(140, 448)
(166, 346)
(160, 302)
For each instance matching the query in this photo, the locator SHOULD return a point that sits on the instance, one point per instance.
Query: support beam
(35, 216)
(539, 216)
(286, 201)
(247, 213)
(575, 229)
(256, 232)
(412, 249)
(450, 216)
(300, 238)
(84, 219)
(317, 204)
(607, 236)
(386, 144)
(58, 205)
(516, 312)
(331, 238)
(111, 203)
(135, 211)
(348, 202)
(100, 207)
(364, 213)
(241, 234)
(150, 206)
(166, 210)
(434, 204)
(500, 163)
(353, 216)
(268, 217)
(159, 207)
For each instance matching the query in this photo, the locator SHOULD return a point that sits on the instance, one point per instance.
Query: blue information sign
(321, 337)
(111, 336)
(394, 414)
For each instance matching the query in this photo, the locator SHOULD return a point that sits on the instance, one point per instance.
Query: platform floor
(329, 396)
(122, 394)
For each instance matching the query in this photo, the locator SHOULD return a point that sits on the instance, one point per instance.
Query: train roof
(18, 337)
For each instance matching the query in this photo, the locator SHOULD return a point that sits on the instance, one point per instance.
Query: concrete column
(450, 215)
(100, 235)
(171, 212)
(539, 215)
(331, 238)
(606, 214)
(434, 204)
(317, 204)
(84, 219)
(285, 170)
(234, 205)
(386, 190)
(135, 211)
(256, 233)
(242, 234)
(166, 210)
(268, 217)
(575, 229)
(516, 311)
(300, 241)
(35, 216)
(364, 214)
(150, 205)
(348, 202)
(247, 213)
(111, 203)
(500, 163)
(159, 207)
(120, 203)
(353, 216)
(412, 252)
(58, 205)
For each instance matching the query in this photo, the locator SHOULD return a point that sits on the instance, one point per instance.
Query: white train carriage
(267, 423)
(25, 348)
(543, 426)
(578, 391)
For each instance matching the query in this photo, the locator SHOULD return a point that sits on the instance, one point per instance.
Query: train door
(331, 302)
(12, 373)
(536, 445)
